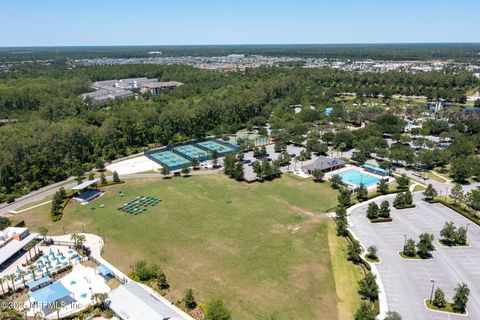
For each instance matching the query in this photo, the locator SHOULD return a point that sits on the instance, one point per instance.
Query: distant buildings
(121, 89)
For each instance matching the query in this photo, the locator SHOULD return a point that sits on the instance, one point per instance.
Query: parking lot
(407, 283)
(291, 149)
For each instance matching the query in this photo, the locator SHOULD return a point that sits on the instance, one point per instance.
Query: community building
(325, 164)
(121, 89)
(131, 301)
(12, 242)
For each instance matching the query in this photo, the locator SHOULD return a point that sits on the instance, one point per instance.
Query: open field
(266, 249)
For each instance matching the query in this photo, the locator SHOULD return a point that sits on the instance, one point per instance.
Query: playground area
(139, 204)
(75, 291)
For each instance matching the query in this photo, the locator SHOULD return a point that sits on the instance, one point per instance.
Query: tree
(384, 210)
(91, 176)
(362, 192)
(162, 281)
(457, 194)
(5, 222)
(189, 299)
(216, 310)
(425, 245)
(341, 219)
(409, 248)
(103, 179)
(185, 170)
(214, 155)
(116, 178)
(382, 187)
(336, 181)
(344, 198)
(317, 175)
(473, 198)
(403, 181)
(43, 231)
(439, 299)
(354, 250)
(460, 298)
(392, 315)
(461, 236)
(430, 193)
(461, 169)
(195, 163)
(99, 165)
(238, 173)
(365, 312)
(372, 210)
(448, 233)
(229, 164)
(372, 252)
(368, 288)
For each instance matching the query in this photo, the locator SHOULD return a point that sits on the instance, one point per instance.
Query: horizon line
(242, 44)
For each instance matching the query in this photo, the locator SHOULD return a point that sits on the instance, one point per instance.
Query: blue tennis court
(170, 159)
(212, 145)
(192, 152)
(356, 178)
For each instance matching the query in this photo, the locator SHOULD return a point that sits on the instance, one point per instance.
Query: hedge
(380, 220)
(472, 216)
(404, 206)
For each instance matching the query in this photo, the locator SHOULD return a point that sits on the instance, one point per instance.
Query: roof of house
(324, 163)
(131, 301)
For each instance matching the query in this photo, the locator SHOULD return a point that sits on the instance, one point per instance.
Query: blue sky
(174, 22)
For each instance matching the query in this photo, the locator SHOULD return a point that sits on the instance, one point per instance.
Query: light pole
(431, 294)
(404, 242)
(466, 229)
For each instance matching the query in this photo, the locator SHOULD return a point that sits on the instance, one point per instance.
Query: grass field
(265, 249)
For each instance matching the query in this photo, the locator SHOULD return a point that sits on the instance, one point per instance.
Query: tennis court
(193, 152)
(212, 145)
(170, 159)
(139, 204)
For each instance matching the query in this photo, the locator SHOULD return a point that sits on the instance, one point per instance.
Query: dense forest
(458, 51)
(48, 133)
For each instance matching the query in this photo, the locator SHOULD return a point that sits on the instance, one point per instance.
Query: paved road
(407, 283)
(47, 191)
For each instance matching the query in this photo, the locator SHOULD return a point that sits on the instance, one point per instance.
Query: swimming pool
(356, 178)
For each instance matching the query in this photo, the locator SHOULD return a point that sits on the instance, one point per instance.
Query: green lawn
(263, 248)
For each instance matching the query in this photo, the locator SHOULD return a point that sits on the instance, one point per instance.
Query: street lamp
(431, 294)
(466, 229)
(404, 241)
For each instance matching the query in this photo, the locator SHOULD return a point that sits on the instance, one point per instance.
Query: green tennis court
(193, 152)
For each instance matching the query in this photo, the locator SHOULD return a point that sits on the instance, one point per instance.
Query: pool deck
(347, 167)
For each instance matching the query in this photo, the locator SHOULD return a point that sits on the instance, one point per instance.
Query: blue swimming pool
(356, 178)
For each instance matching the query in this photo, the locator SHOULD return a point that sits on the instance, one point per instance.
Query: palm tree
(43, 232)
(23, 274)
(74, 238)
(1, 285)
(31, 268)
(11, 277)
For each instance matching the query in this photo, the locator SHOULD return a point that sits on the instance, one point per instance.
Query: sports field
(265, 249)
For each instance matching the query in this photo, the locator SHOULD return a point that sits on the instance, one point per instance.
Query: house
(325, 164)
